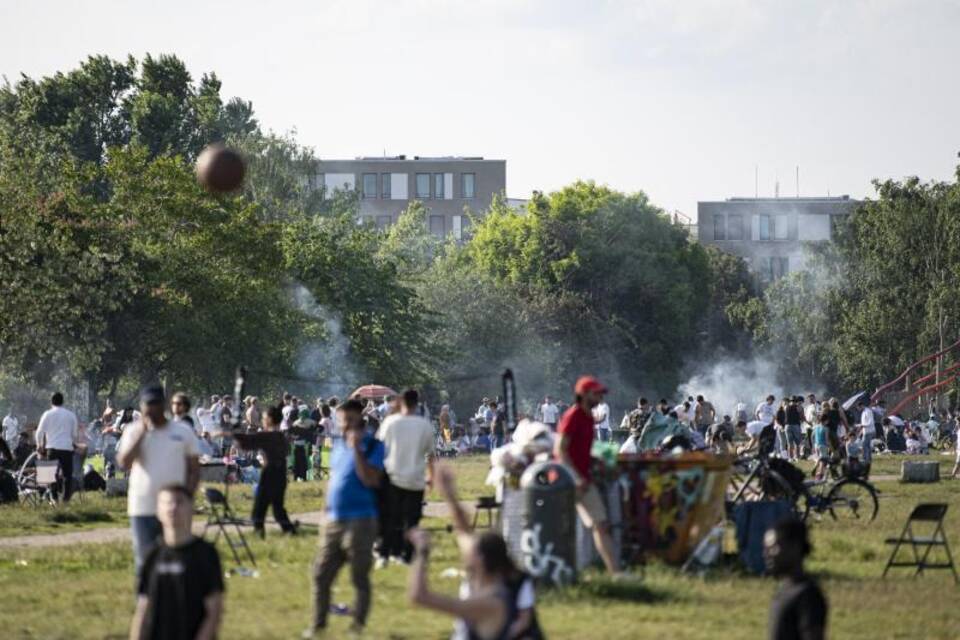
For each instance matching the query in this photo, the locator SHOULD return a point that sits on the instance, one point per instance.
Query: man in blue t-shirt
(350, 523)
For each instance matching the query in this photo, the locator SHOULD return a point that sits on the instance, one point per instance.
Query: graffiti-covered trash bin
(670, 502)
(548, 539)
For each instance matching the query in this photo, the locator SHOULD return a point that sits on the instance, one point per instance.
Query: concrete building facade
(769, 233)
(447, 186)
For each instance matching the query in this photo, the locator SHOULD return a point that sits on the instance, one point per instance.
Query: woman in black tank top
(487, 608)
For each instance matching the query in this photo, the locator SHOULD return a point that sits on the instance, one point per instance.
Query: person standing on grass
(157, 452)
(573, 448)
(868, 430)
(549, 413)
(350, 523)
(704, 415)
(273, 478)
(601, 418)
(57, 435)
(11, 429)
(799, 609)
(410, 446)
(180, 592)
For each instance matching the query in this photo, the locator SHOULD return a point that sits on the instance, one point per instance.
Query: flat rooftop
(403, 158)
(785, 199)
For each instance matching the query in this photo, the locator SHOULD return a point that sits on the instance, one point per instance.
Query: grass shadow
(606, 589)
(78, 517)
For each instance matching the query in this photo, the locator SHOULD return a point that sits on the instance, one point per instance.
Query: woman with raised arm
(496, 601)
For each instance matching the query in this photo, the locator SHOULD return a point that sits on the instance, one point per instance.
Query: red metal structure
(915, 389)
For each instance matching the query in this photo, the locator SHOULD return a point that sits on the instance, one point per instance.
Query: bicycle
(753, 479)
(846, 497)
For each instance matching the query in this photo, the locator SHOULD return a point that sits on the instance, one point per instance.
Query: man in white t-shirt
(767, 411)
(549, 413)
(11, 429)
(601, 421)
(58, 433)
(868, 430)
(410, 444)
(157, 453)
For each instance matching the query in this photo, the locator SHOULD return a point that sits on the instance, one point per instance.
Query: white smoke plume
(328, 360)
(730, 381)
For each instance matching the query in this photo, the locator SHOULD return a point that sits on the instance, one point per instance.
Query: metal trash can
(548, 539)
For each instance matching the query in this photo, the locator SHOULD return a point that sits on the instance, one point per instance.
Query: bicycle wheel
(852, 499)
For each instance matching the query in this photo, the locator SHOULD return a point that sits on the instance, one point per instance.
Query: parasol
(852, 400)
(373, 391)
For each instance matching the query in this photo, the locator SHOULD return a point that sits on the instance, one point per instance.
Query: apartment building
(769, 233)
(446, 185)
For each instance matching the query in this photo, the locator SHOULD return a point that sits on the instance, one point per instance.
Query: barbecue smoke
(329, 360)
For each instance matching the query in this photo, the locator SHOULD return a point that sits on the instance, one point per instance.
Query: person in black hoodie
(273, 477)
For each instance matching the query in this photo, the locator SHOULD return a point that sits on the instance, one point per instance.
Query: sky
(683, 100)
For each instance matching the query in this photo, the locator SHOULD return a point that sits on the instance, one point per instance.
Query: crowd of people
(383, 460)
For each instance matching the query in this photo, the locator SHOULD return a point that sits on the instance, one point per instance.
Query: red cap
(588, 383)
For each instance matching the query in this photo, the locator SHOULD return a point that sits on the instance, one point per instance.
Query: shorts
(590, 508)
(794, 434)
(823, 452)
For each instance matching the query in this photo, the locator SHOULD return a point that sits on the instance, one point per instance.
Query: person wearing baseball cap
(157, 452)
(572, 448)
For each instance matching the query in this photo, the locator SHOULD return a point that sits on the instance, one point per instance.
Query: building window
(385, 181)
(437, 226)
(383, 222)
(734, 226)
(423, 186)
(369, 186)
(457, 227)
(772, 268)
(780, 227)
(719, 229)
(766, 227)
(468, 185)
(438, 186)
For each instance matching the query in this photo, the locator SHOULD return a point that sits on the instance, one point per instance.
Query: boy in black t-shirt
(798, 610)
(181, 584)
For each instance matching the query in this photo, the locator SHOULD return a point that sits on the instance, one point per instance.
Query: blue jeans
(146, 530)
(603, 435)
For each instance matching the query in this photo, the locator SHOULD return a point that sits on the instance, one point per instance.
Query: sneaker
(313, 632)
(381, 563)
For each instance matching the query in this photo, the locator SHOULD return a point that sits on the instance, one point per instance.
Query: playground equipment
(919, 387)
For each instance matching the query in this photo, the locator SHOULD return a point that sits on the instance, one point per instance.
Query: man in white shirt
(11, 429)
(868, 430)
(549, 413)
(410, 444)
(157, 453)
(601, 420)
(766, 411)
(56, 437)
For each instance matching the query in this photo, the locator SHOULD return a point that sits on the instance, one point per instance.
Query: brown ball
(220, 169)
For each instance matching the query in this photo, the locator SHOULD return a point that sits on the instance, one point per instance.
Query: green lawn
(95, 510)
(92, 584)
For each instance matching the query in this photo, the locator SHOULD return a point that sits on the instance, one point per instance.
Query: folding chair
(929, 513)
(36, 485)
(488, 504)
(221, 516)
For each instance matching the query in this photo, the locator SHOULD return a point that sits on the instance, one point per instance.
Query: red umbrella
(373, 391)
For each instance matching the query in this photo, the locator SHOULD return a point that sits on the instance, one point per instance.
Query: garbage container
(548, 538)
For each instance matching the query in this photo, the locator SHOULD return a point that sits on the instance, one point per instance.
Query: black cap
(152, 394)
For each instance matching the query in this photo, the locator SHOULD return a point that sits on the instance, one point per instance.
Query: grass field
(84, 591)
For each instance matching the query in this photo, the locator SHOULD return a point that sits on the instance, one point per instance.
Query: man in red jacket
(573, 449)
